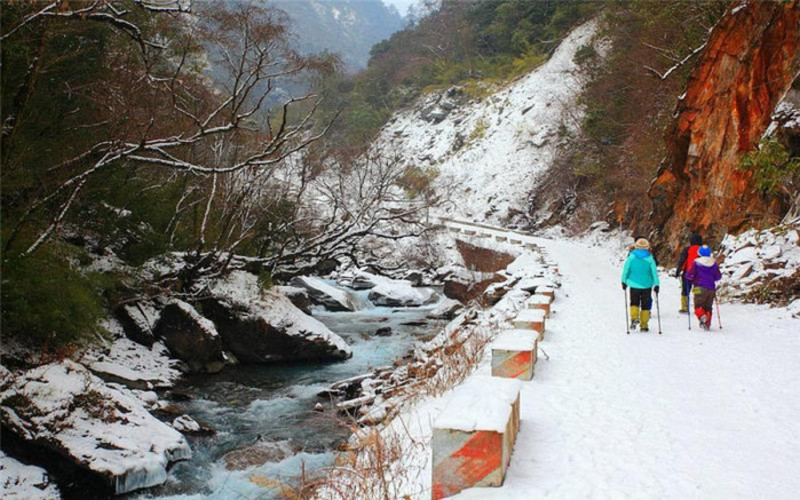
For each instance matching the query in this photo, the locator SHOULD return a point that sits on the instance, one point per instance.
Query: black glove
(656, 288)
(624, 286)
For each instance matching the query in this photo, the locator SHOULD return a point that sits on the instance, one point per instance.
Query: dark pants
(704, 299)
(686, 285)
(640, 297)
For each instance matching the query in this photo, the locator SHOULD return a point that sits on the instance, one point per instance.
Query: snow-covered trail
(679, 415)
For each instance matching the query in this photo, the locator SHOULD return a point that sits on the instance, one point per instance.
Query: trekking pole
(658, 313)
(719, 316)
(689, 308)
(627, 323)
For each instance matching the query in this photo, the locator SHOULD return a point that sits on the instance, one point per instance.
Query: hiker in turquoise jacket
(641, 275)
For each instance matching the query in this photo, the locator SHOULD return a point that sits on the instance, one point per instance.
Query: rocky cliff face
(751, 58)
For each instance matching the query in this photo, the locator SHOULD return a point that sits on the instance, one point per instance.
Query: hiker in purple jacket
(704, 275)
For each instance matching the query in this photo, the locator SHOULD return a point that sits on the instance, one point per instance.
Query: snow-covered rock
(186, 425)
(362, 280)
(25, 482)
(130, 363)
(298, 296)
(763, 266)
(332, 298)
(399, 293)
(191, 337)
(264, 326)
(138, 320)
(65, 409)
(496, 291)
(446, 309)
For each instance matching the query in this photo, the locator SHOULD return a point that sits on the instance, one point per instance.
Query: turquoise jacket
(640, 270)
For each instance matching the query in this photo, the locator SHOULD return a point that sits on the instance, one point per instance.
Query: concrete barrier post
(473, 449)
(539, 302)
(514, 354)
(531, 319)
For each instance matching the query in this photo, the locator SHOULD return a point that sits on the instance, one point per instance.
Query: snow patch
(25, 482)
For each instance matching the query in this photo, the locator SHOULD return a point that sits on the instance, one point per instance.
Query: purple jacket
(704, 273)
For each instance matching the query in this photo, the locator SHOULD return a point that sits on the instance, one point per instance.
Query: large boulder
(61, 410)
(190, 337)
(138, 321)
(328, 296)
(264, 326)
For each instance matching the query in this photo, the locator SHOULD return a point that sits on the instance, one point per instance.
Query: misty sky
(401, 5)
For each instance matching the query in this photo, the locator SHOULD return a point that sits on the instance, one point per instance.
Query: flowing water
(251, 403)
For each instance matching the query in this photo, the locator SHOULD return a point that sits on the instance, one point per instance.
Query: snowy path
(681, 415)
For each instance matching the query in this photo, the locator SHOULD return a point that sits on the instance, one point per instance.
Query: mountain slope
(489, 154)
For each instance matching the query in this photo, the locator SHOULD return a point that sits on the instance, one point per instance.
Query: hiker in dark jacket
(704, 275)
(641, 275)
(688, 255)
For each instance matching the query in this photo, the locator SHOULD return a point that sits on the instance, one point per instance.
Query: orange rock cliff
(750, 61)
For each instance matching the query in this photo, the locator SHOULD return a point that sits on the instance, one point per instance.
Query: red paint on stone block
(520, 363)
(481, 455)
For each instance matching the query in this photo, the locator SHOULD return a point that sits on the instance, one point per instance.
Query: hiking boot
(634, 324)
(684, 304)
(645, 319)
(704, 322)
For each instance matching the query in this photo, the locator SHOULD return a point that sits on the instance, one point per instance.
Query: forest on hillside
(148, 130)
(232, 266)
(140, 129)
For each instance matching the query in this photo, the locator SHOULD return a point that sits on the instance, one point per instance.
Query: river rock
(400, 293)
(63, 410)
(446, 309)
(263, 327)
(190, 337)
(187, 425)
(455, 287)
(138, 321)
(257, 454)
(363, 281)
(298, 296)
(130, 363)
(330, 297)
(385, 331)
